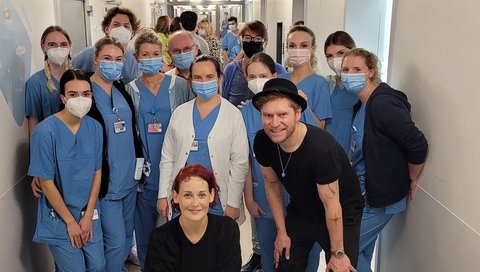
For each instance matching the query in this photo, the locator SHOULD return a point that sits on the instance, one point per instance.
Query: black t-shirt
(318, 160)
(217, 251)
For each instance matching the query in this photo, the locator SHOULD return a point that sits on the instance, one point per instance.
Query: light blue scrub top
(202, 155)
(202, 129)
(84, 61)
(121, 150)
(358, 162)
(340, 125)
(253, 123)
(159, 107)
(231, 43)
(39, 101)
(316, 88)
(71, 161)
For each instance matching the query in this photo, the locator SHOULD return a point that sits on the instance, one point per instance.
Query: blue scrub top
(39, 101)
(236, 85)
(253, 123)
(159, 107)
(316, 88)
(71, 161)
(340, 125)
(231, 43)
(358, 162)
(202, 129)
(121, 150)
(84, 61)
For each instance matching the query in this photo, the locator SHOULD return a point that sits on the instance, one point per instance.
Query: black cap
(282, 86)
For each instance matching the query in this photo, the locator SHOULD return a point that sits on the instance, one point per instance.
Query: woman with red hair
(196, 240)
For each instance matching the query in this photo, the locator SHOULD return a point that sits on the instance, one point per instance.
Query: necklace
(281, 162)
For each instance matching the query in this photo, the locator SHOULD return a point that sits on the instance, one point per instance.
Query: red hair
(195, 170)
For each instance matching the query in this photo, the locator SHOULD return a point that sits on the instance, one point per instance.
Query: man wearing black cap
(325, 200)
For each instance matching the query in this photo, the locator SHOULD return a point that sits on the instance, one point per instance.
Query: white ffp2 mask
(79, 106)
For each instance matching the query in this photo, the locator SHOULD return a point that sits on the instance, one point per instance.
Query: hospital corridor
(239, 135)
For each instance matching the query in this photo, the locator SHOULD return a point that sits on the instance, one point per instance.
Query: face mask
(122, 34)
(78, 106)
(110, 70)
(184, 60)
(58, 55)
(299, 57)
(205, 90)
(256, 85)
(336, 65)
(250, 48)
(202, 32)
(232, 27)
(150, 66)
(354, 83)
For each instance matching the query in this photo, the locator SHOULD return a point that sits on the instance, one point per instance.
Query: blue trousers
(117, 225)
(146, 217)
(89, 258)
(373, 222)
(266, 233)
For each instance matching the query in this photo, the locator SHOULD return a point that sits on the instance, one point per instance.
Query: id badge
(95, 214)
(147, 168)
(154, 128)
(194, 146)
(119, 126)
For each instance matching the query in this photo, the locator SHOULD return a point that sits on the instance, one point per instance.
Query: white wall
(433, 60)
(96, 17)
(17, 204)
(324, 17)
(276, 10)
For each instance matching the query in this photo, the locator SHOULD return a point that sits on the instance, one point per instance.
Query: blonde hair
(207, 26)
(48, 74)
(302, 28)
(147, 36)
(371, 61)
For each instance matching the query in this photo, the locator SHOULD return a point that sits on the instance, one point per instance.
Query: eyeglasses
(254, 39)
(187, 49)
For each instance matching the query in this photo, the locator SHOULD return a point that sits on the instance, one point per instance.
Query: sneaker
(253, 264)
(133, 256)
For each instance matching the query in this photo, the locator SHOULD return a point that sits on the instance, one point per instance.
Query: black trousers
(303, 234)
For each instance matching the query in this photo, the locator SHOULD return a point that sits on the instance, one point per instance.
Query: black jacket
(390, 142)
(95, 114)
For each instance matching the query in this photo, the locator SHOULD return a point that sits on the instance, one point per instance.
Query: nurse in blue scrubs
(66, 156)
(259, 70)
(301, 48)
(209, 131)
(120, 23)
(340, 125)
(388, 151)
(42, 97)
(123, 149)
(155, 96)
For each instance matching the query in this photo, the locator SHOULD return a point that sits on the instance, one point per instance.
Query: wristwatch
(339, 253)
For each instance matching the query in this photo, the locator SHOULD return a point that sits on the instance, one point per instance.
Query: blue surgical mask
(205, 90)
(110, 70)
(150, 66)
(184, 60)
(354, 83)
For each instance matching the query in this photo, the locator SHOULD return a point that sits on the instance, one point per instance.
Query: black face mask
(250, 48)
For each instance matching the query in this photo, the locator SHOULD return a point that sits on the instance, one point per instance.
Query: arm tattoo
(336, 219)
(331, 190)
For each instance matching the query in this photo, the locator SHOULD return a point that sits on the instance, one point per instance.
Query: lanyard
(114, 109)
(152, 112)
